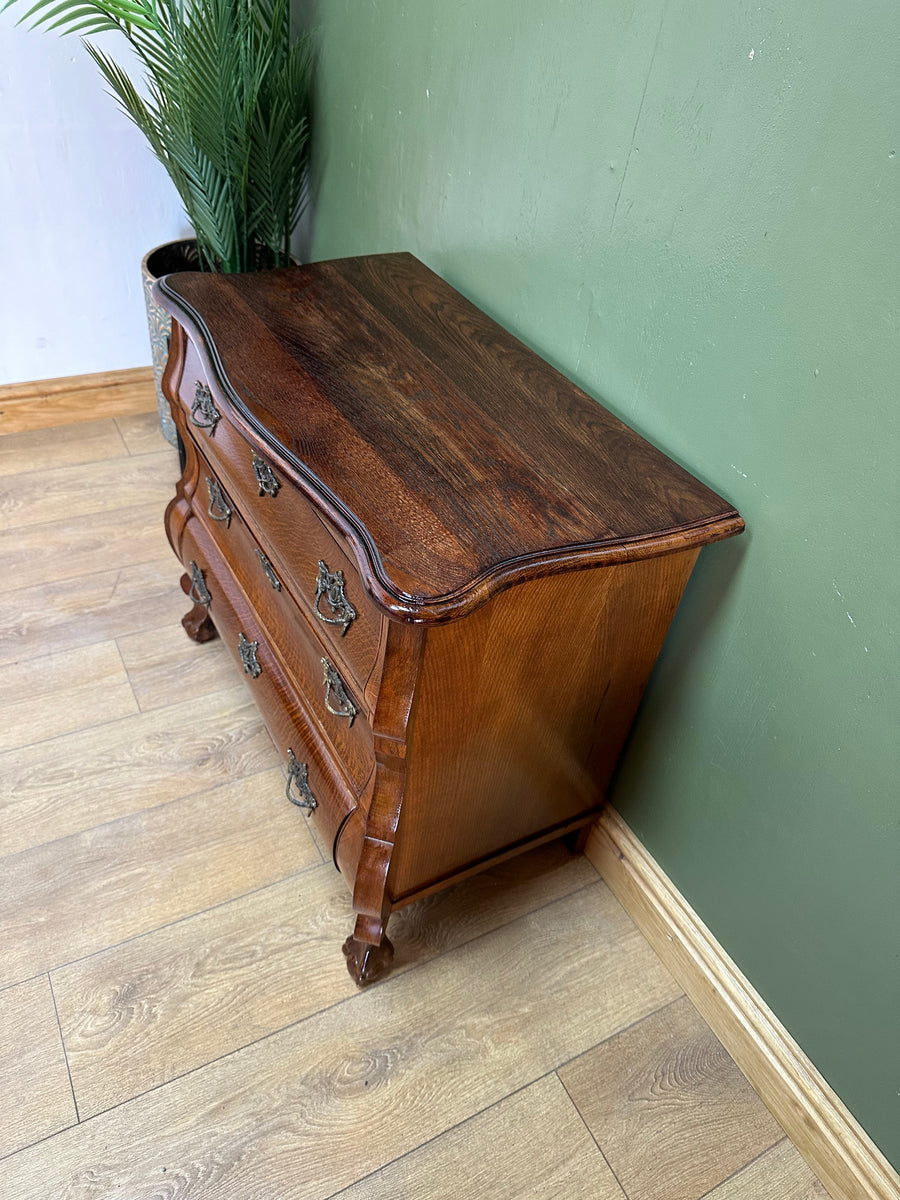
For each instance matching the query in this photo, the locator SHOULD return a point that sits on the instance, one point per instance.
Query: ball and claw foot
(366, 962)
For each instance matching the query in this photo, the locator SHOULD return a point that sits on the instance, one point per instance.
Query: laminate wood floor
(176, 1019)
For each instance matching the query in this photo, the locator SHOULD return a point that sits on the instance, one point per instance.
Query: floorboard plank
(81, 894)
(779, 1174)
(331, 1099)
(668, 1107)
(37, 1098)
(141, 1013)
(62, 693)
(141, 432)
(129, 765)
(159, 660)
(45, 449)
(532, 1144)
(99, 607)
(63, 493)
(77, 546)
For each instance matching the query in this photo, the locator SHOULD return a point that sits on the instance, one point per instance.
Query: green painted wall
(691, 208)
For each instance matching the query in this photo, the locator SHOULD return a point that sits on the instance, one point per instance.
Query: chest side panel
(522, 711)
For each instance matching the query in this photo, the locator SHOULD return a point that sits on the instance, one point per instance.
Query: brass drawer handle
(248, 656)
(330, 584)
(269, 570)
(299, 777)
(265, 477)
(334, 687)
(218, 507)
(199, 592)
(205, 406)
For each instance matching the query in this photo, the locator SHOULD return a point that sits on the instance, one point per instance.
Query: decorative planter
(170, 256)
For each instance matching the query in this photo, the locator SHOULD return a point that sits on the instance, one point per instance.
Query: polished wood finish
(186, 960)
(465, 461)
(522, 711)
(807, 1108)
(508, 557)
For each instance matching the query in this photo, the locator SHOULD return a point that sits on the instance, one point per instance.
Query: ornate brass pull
(199, 592)
(265, 477)
(209, 415)
(334, 687)
(330, 584)
(217, 502)
(299, 777)
(248, 656)
(269, 570)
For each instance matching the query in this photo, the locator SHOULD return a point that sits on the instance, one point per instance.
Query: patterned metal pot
(170, 256)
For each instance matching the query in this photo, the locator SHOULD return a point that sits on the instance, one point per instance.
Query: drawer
(306, 552)
(309, 663)
(311, 772)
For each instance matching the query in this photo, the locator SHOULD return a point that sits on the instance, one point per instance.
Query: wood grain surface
(72, 547)
(54, 402)
(158, 1006)
(81, 611)
(61, 693)
(153, 870)
(36, 497)
(779, 1174)
(837, 1148)
(154, 657)
(465, 458)
(34, 1084)
(655, 1093)
(141, 432)
(73, 896)
(44, 449)
(165, 754)
(532, 1144)
(519, 724)
(284, 1117)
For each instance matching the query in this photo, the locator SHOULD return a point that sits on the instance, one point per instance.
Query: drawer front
(336, 702)
(313, 782)
(306, 553)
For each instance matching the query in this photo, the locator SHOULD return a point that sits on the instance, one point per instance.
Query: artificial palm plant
(224, 109)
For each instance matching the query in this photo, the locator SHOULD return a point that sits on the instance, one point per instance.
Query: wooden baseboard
(827, 1135)
(13, 393)
(48, 402)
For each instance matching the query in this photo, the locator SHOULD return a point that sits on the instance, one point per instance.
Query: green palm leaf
(223, 107)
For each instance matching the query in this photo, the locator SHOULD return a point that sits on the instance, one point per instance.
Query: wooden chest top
(454, 459)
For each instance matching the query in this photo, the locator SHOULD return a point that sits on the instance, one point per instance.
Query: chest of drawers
(444, 570)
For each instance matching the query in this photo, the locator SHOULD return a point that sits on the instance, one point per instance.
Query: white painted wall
(82, 199)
